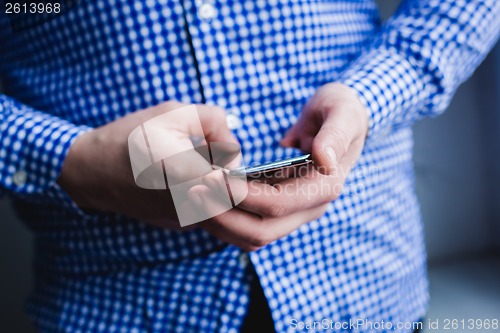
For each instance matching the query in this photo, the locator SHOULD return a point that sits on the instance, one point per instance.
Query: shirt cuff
(391, 86)
(33, 148)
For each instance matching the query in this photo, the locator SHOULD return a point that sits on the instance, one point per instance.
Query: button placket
(203, 24)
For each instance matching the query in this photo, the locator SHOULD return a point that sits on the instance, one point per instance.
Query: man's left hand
(333, 126)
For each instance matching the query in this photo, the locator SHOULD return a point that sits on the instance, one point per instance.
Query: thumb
(225, 149)
(213, 121)
(330, 145)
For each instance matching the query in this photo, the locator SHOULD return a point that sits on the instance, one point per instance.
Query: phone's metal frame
(252, 171)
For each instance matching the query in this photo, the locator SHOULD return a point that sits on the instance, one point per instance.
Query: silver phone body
(270, 167)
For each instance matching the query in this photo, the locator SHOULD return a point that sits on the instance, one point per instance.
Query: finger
(305, 127)
(291, 138)
(292, 195)
(219, 182)
(186, 166)
(200, 121)
(225, 148)
(170, 132)
(214, 123)
(225, 154)
(306, 143)
(274, 176)
(233, 226)
(331, 143)
(193, 207)
(247, 230)
(174, 140)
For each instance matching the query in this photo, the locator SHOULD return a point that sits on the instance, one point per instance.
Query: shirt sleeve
(420, 57)
(33, 146)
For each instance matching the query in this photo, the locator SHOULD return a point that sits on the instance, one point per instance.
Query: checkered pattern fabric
(261, 61)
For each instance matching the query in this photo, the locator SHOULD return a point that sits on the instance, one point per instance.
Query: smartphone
(271, 167)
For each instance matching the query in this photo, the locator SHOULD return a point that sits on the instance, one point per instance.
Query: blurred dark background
(457, 159)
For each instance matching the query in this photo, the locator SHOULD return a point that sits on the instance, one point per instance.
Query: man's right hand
(97, 173)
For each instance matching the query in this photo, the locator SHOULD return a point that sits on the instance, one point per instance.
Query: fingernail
(331, 154)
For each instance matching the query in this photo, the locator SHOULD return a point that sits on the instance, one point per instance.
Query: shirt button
(244, 260)
(233, 121)
(207, 11)
(19, 178)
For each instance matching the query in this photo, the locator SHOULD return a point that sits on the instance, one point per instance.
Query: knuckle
(340, 139)
(278, 205)
(317, 144)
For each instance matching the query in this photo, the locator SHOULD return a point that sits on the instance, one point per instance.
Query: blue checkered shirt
(261, 61)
